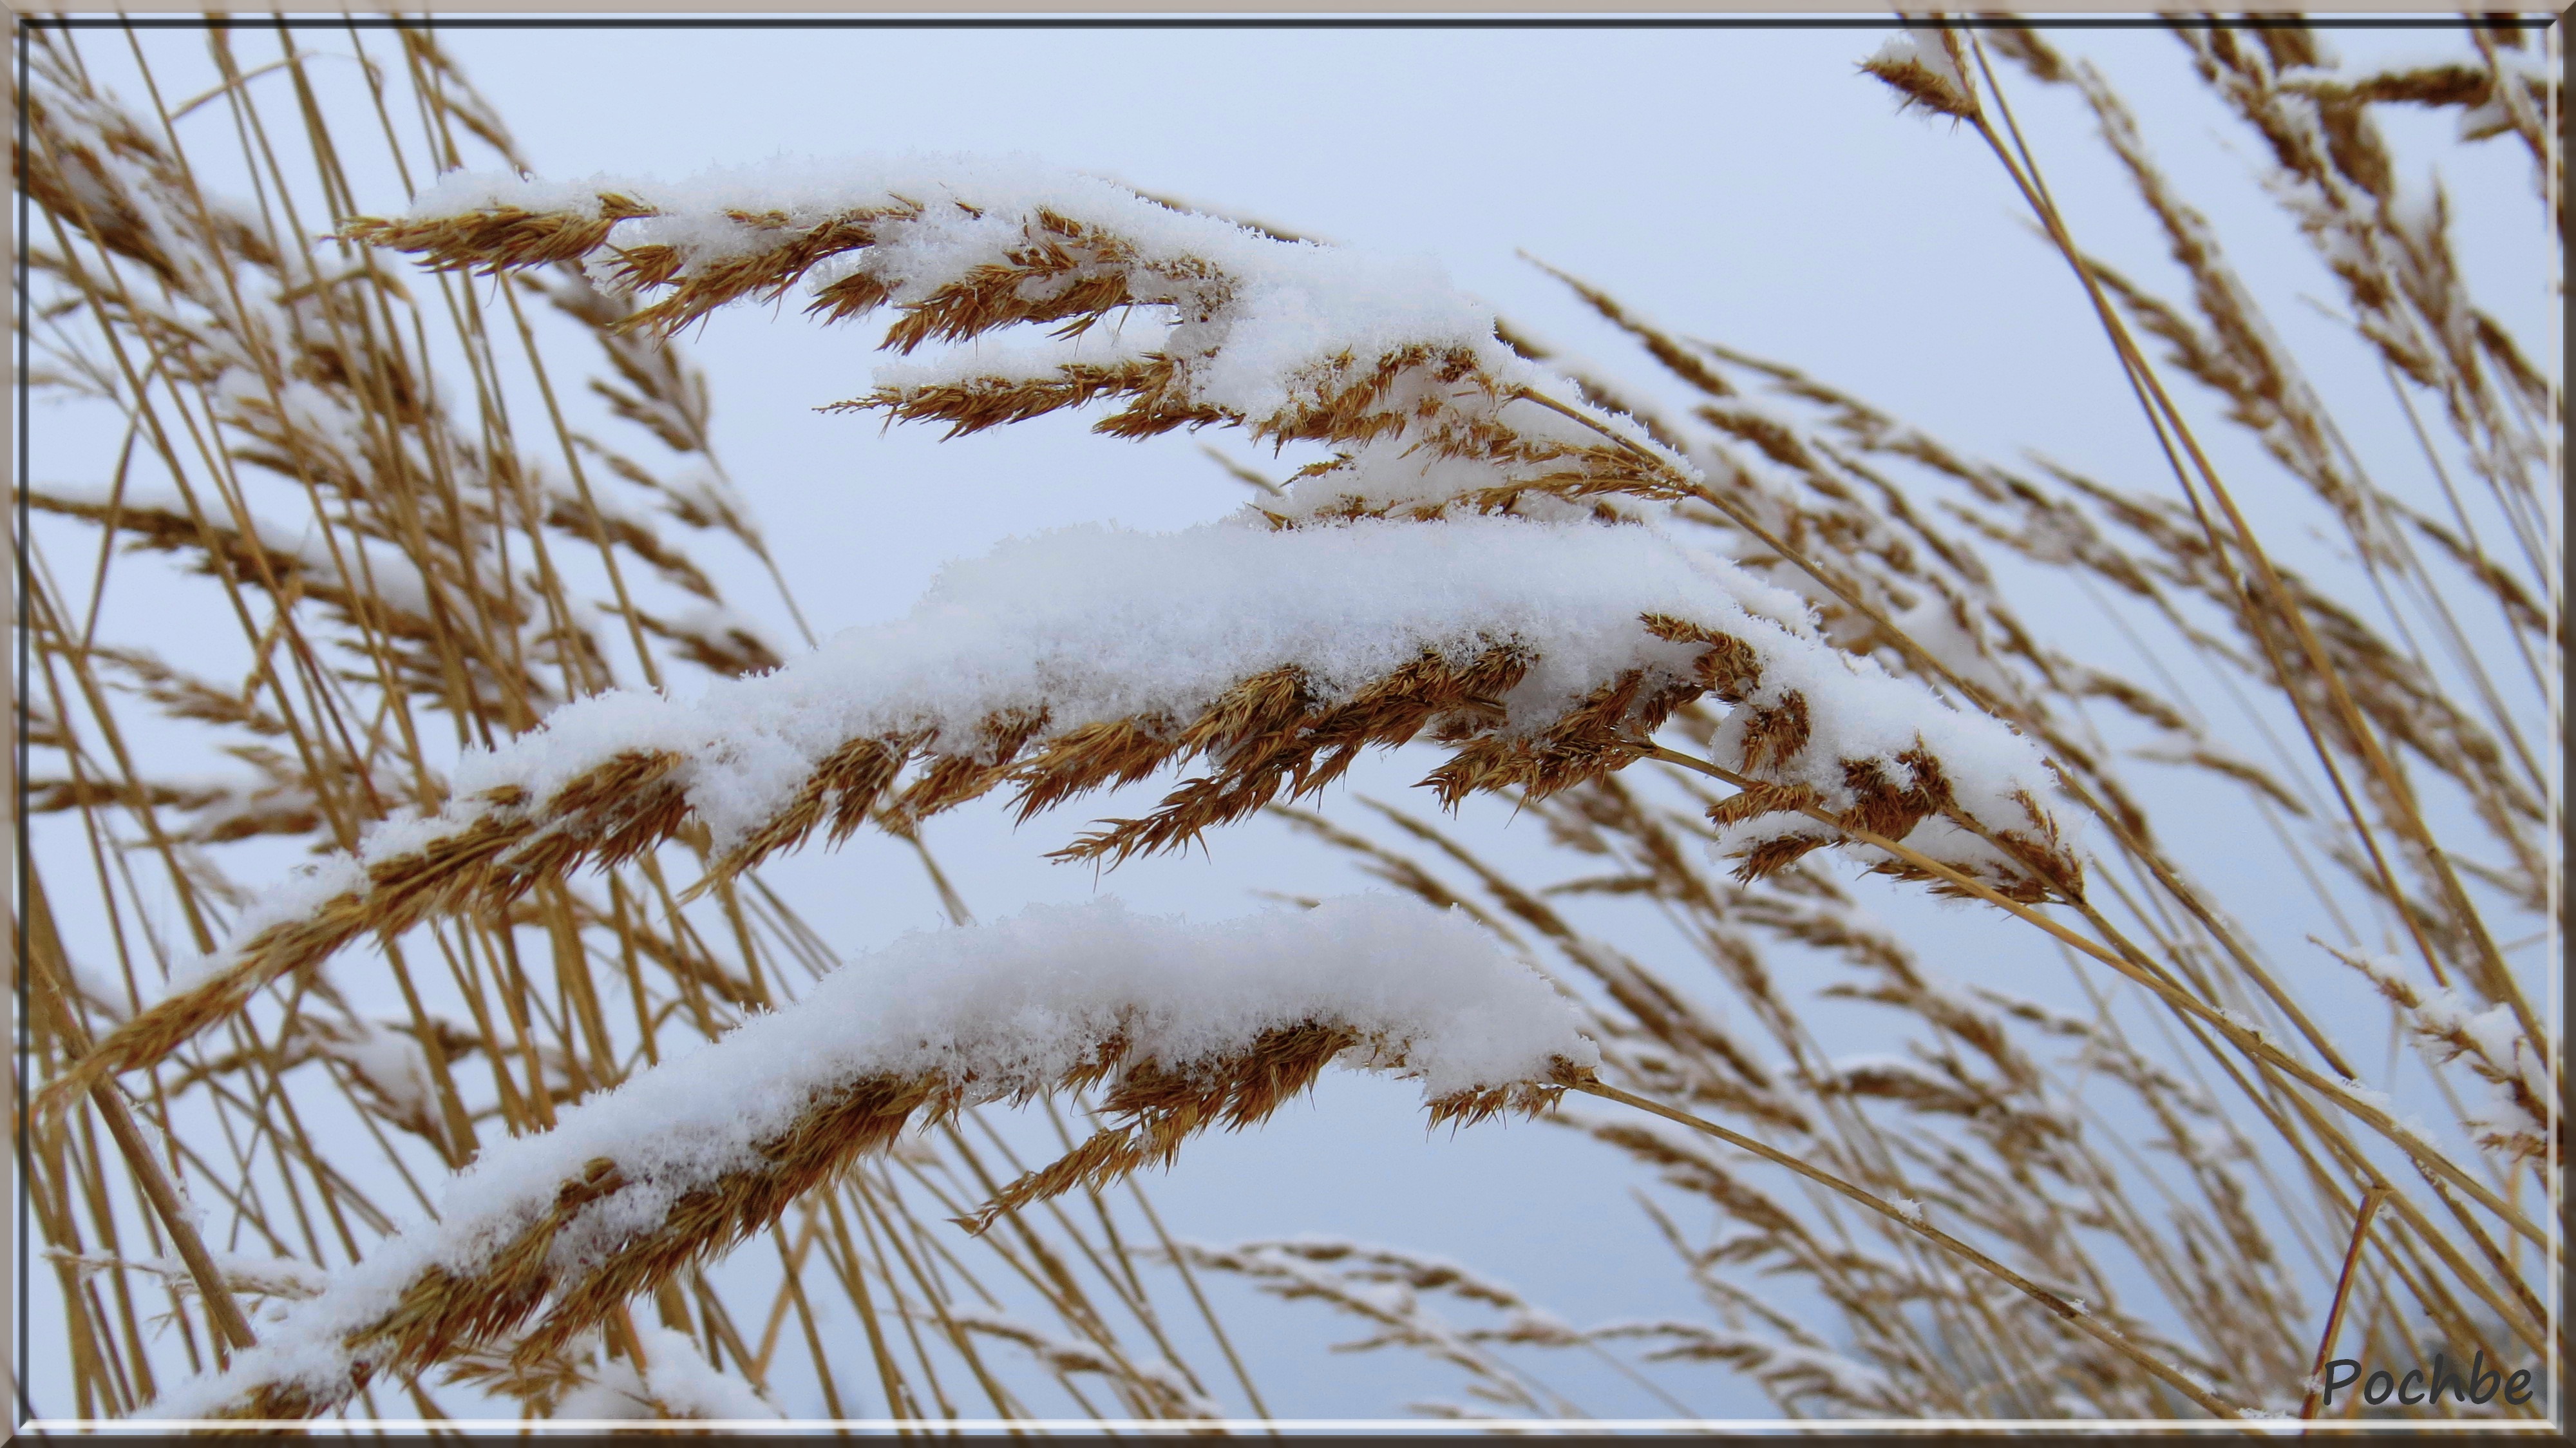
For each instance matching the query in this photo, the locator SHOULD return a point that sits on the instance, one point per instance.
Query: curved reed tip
(494, 239)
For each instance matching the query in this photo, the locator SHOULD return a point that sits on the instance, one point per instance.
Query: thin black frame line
(1242, 22)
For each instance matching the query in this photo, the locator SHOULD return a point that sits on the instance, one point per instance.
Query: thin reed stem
(2370, 1200)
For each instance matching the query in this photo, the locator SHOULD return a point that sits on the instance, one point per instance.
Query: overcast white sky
(1743, 185)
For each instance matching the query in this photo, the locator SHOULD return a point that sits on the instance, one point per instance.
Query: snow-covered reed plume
(1190, 1026)
(2517, 1124)
(1928, 65)
(1539, 654)
(1182, 320)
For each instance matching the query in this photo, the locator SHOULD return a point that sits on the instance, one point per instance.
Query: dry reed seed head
(726, 647)
(232, 320)
(1163, 1107)
(2399, 698)
(499, 239)
(95, 166)
(672, 1380)
(1386, 1264)
(1167, 1393)
(2336, 176)
(164, 526)
(2238, 355)
(2026, 47)
(1391, 1308)
(1927, 65)
(1887, 796)
(1792, 1370)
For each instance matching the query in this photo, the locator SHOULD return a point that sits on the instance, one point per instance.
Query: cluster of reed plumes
(2182, 1202)
(327, 439)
